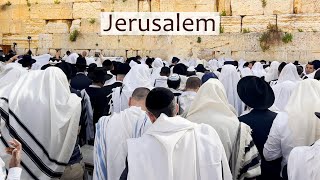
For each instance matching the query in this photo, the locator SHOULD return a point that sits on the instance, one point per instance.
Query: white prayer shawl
(177, 149)
(90, 60)
(211, 107)
(110, 81)
(241, 63)
(229, 77)
(304, 163)
(199, 74)
(282, 92)
(72, 58)
(11, 75)
(157, 63)
(289, 73)
(258, 70)
(132, 64)
(138, 76)
(220, 62)
(183, 82)
(161, 82)
(40, 61)
(213, 65)
(273, 72)
(48, 135)
(304, 101)
(185, 100)
(156, 68)
(245, 72)
(110, 150)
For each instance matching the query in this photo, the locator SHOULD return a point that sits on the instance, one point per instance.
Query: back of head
(165, 71)
(316, 64)
(66, 68)
(281, 66)
(300, 70)
(174, 81)
(68, 53)
(193, 83)
(317, 75)
(140, 94)
(81, 64)
(161, 100)
(149, 61)
(180, 69)
(108, 65)
(99, 75)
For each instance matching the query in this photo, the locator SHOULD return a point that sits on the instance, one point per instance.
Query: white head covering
(213, 65)
(138, 76)
(258, 70)
(241, 63)
(132, 63)
(11, 75)
(273, 72)
(246, 72)
(220, 62)
(229, 77)
(191, 69)
(303, 103)
(40, 61)
(210, 106)
(72, 58)
(282, 92)
(157, 63)
(289, 73)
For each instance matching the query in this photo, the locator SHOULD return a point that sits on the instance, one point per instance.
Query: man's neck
(192, 90)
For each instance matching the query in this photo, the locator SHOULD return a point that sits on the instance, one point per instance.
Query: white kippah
(174, 77)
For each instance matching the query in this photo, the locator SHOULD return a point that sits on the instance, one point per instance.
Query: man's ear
(177, 109)
(151, 117)
(130, 103)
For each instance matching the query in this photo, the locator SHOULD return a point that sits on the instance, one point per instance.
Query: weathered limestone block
(109, 42)
(155, 6)
(15, 12)
(231, 24)
(299, 22)
(167, 6)
(34, 26)
(258, 23)
(224, 6)
(144, 6)
(21, 40)
(90, 25)
(57, 27)
(306, 6)
(76, 24)
(1, 38)
(129, 42)
(45, 40)
(86, 10)
(51, 11)
(245, 7)
(278, 7)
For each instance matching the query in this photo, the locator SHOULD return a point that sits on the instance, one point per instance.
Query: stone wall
(49, 23)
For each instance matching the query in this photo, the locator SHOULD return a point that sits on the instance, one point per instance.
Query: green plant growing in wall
(56, 2)
(272, 36)
(4, 6)
(92, 21)
(314, 30)
(28, 4)
(223, 13)
(287, 38)
(246, 30)
(264, 3)
(8, 3)
(300, 30)
(221, 29)
(199, 40)
(124, 0)
(73, 35)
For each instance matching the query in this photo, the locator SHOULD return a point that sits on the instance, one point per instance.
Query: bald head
(138, 97)
(193, 84)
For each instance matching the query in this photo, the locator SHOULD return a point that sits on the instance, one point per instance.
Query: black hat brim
(317, 114)
(251, 100)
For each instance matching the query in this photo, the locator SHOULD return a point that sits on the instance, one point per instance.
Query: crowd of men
(152, 119)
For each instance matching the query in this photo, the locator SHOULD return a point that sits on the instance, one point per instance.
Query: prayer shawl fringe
(246, 156)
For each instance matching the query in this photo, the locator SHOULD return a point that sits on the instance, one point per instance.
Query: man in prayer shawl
(176, 148)
(81, 80)
(211, 107)
(174, 83)
(181, 70)
(309, 68)
(98, 95)
(108, 65)
(303, 162)
(289, 73)
(187, 96)
(161, 81)
(282, 92)
(110, 149)
(149, 62)
(297, 125)
(45, 155)
(258, 70)
(258, 95)
(272, 74)
(229, 77)
(138, 76)
(27, 61)
(191, 71)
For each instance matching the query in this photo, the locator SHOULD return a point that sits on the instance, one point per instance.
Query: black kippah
(159, 98)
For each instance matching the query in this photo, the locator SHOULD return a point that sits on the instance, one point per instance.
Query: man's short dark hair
(281, 66)
(68, 53)
(165, 71)
(107, 64)
(140, 93)
(169, 110)
(193, 83)
(300, 70)
(317, 75)
(316, 64)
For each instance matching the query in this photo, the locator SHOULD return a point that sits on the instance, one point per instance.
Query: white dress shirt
(279, 142)
(13, 174)
(304, 163)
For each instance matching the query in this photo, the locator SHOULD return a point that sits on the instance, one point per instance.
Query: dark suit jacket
(260, 122)
(80, 81)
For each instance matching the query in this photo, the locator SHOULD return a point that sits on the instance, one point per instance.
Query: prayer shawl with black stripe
(41, 113)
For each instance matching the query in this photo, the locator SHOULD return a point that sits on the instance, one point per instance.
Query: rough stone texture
(278, 7)
(231, 24)
(302, 22)
(51, 11)
(257, 23)
(56, 27)
(307, 6)
(245, 7)
(86, 10)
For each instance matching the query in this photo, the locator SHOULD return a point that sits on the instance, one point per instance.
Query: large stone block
(57, 27)
(299, 22)
(90, 25)
(45, 41)
(307, 6)
(15, 12)
(245, 7)
(86, 10)
(278, 7)
(258, 23)
(51, 11)
(224, 6)
(34, 26)
(231, 24)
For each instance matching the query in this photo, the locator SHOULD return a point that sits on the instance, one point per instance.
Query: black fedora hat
(255, 92)
(26, 61)
(99, 74)
(81, 62)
